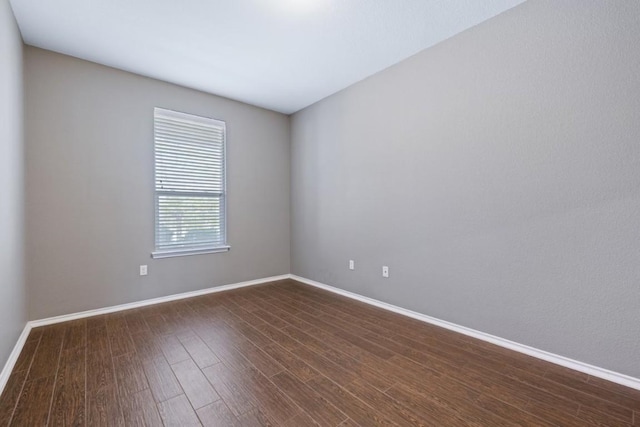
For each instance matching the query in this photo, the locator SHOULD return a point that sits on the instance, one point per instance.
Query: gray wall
(13, 311)
(497, 174)
(89, 153)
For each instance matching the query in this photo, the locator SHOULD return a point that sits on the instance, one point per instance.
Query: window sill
(187, 252)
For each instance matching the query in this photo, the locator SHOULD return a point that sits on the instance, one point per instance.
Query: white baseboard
(152, 301)
(13, 357)
(576, 365)
(521, 348)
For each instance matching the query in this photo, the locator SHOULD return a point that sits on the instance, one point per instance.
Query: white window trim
(187, 252)
(159, 254)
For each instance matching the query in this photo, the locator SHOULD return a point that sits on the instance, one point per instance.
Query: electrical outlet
(385, 271)
(143, 270)
(352, 264)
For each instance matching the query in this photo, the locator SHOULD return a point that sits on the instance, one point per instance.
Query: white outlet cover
(352, 264)
(385, 271)
(143, 270)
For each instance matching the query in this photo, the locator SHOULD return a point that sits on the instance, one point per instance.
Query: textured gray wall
(13, 310)
(89, 153)
(497, 174)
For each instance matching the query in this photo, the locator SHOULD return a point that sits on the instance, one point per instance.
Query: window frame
(197, 249)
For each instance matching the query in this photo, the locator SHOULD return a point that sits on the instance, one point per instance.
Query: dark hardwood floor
(291, 355)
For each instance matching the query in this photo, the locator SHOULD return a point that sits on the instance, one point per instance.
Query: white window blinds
(189, 184)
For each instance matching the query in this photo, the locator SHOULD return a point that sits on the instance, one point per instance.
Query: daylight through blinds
(189, 181)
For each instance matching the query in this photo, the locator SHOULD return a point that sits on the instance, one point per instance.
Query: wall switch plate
(385, 271)
(352, 264)
(143, 270)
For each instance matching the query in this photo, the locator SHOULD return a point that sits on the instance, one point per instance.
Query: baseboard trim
(15, 353)
(576, 365)
(13, 357)
(586, 368)
(152, 301)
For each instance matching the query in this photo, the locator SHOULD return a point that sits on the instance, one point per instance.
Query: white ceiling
(278, 54)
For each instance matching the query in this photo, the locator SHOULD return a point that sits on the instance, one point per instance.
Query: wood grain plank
(35, 334)
(375, 377)
(199, 351)
(177, 412)
(147, 346)
(302, 420)
(119, 338)
(26, 356)
(597, 418)
(45, 361)
(528, 382)
(348, 423)
(314, 405)
(227, 352)
(247, 330)
(323, 365)
(449, 410)
(259, 359)
(555, 414)
(136, 323)
(390, 407)
(231, 386)
(629, 399)
(139, 409)
(366, 345)
(195, 385)
(34, 403)
(96, 322)
(76, 334)
(613, 387)
(68, 407)
(291, 355)
(305, 339)
(290, 362)
(173, 350)
(270, 319)
(103, 405)
(10, 396)
(513, 417)
(98, 339)
(254, 418)
(130, 376)
(355, 408)
(268, 398)
(217, 414)
(277, 336)
(100, 372)
(162, 381)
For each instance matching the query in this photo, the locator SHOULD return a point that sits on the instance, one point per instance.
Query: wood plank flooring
(286, 354)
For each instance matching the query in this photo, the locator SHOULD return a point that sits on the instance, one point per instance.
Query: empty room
(320, 213)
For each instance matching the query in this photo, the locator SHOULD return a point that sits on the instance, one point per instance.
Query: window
(190, 194)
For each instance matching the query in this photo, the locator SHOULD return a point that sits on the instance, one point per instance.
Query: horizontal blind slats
(190, 140)
(186, 174)
(183, 158)
(181, 126)
(195, 174)
(200, 174)
(177, 155)
(177, 144)
(186, 128)
(189, 169)
(202, 122)
(184, 183)
(196, 166)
